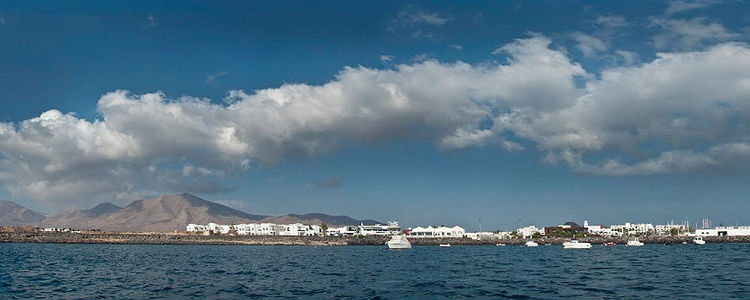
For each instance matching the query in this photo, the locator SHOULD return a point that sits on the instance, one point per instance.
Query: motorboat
(398, 242)
(500, 244)
(610, 244)
(445, 245)
(635, 243)
(698, 240)
(531, 244)
(574, 244)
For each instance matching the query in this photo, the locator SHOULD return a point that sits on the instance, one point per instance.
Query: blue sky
(512, 112)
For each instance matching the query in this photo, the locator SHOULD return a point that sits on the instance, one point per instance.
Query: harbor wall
(188, 239)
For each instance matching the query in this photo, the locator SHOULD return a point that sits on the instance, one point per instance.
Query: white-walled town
(568, 229)
(567, 234)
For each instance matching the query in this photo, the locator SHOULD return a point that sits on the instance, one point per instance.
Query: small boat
(635, 243)
(398, 242)
(574, 244)
(610, 244)
(500, 244)
(698, 240)
(684, 243)
(531, 244)
(445, 245)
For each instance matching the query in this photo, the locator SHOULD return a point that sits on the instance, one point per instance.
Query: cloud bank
(681, 112)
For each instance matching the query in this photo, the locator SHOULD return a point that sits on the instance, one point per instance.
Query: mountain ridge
(161, 214)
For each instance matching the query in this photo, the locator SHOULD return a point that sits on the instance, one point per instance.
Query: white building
(342, 231)
(441, 231)
(56, 229)
(603, 230)
(486, 235)
(267, 229)
(299, 229)
(600, 229)
(258, 229)
(216, 228)
(378, 229)
(667, 229)
(633, 229)
(724, 231)
(528, 231)
(196, 228)
(246, 229)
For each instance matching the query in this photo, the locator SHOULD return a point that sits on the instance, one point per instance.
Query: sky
(503, 113)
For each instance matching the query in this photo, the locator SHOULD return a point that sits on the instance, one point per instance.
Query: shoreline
(188, 239)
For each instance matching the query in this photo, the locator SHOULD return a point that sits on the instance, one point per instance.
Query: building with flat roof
(437, 231)
(724, 231)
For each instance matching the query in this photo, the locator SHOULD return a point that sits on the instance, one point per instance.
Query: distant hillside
(162, 214)
(12, 213)
(80, 218)
(169, 213)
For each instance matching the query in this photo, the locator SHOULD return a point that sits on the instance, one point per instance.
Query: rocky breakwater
(165, 239)
(192, 239)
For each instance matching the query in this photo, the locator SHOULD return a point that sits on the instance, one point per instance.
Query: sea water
(50, 271)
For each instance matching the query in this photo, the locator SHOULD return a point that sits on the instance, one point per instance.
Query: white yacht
(398, 242)
(698, 240)
(445, 245)
(531, 244)
(634, 243)
(574, 244)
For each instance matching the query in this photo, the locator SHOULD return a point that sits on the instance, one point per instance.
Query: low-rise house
(634, 229)
(342, 231)
(56, 229)
(257, 229)
(600, 230)
(299, 229)
(528, 231)
(216, 228)
(440, 231)
(724, 231)
(486, 235)
(378, 229)
(246, 229)
(196, 228)
(669, 228)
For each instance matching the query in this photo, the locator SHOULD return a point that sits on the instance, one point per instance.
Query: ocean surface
(49, 271)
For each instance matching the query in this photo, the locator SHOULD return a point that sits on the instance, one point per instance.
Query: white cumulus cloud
(682, 112)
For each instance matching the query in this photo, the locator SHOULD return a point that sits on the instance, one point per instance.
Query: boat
(500, 244)
(698, 240)
(609, 244)
(531, 244)
(574, 244)
(635, 243)
(445, 245)
(398, 242)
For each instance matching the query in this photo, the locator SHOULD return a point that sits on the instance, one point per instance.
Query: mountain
(12, 213)
(318, 218)
(80, 218)
(163, 214)
(101, 209)
(169, 213)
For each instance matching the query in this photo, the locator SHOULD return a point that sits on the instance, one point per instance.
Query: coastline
(188, 239)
